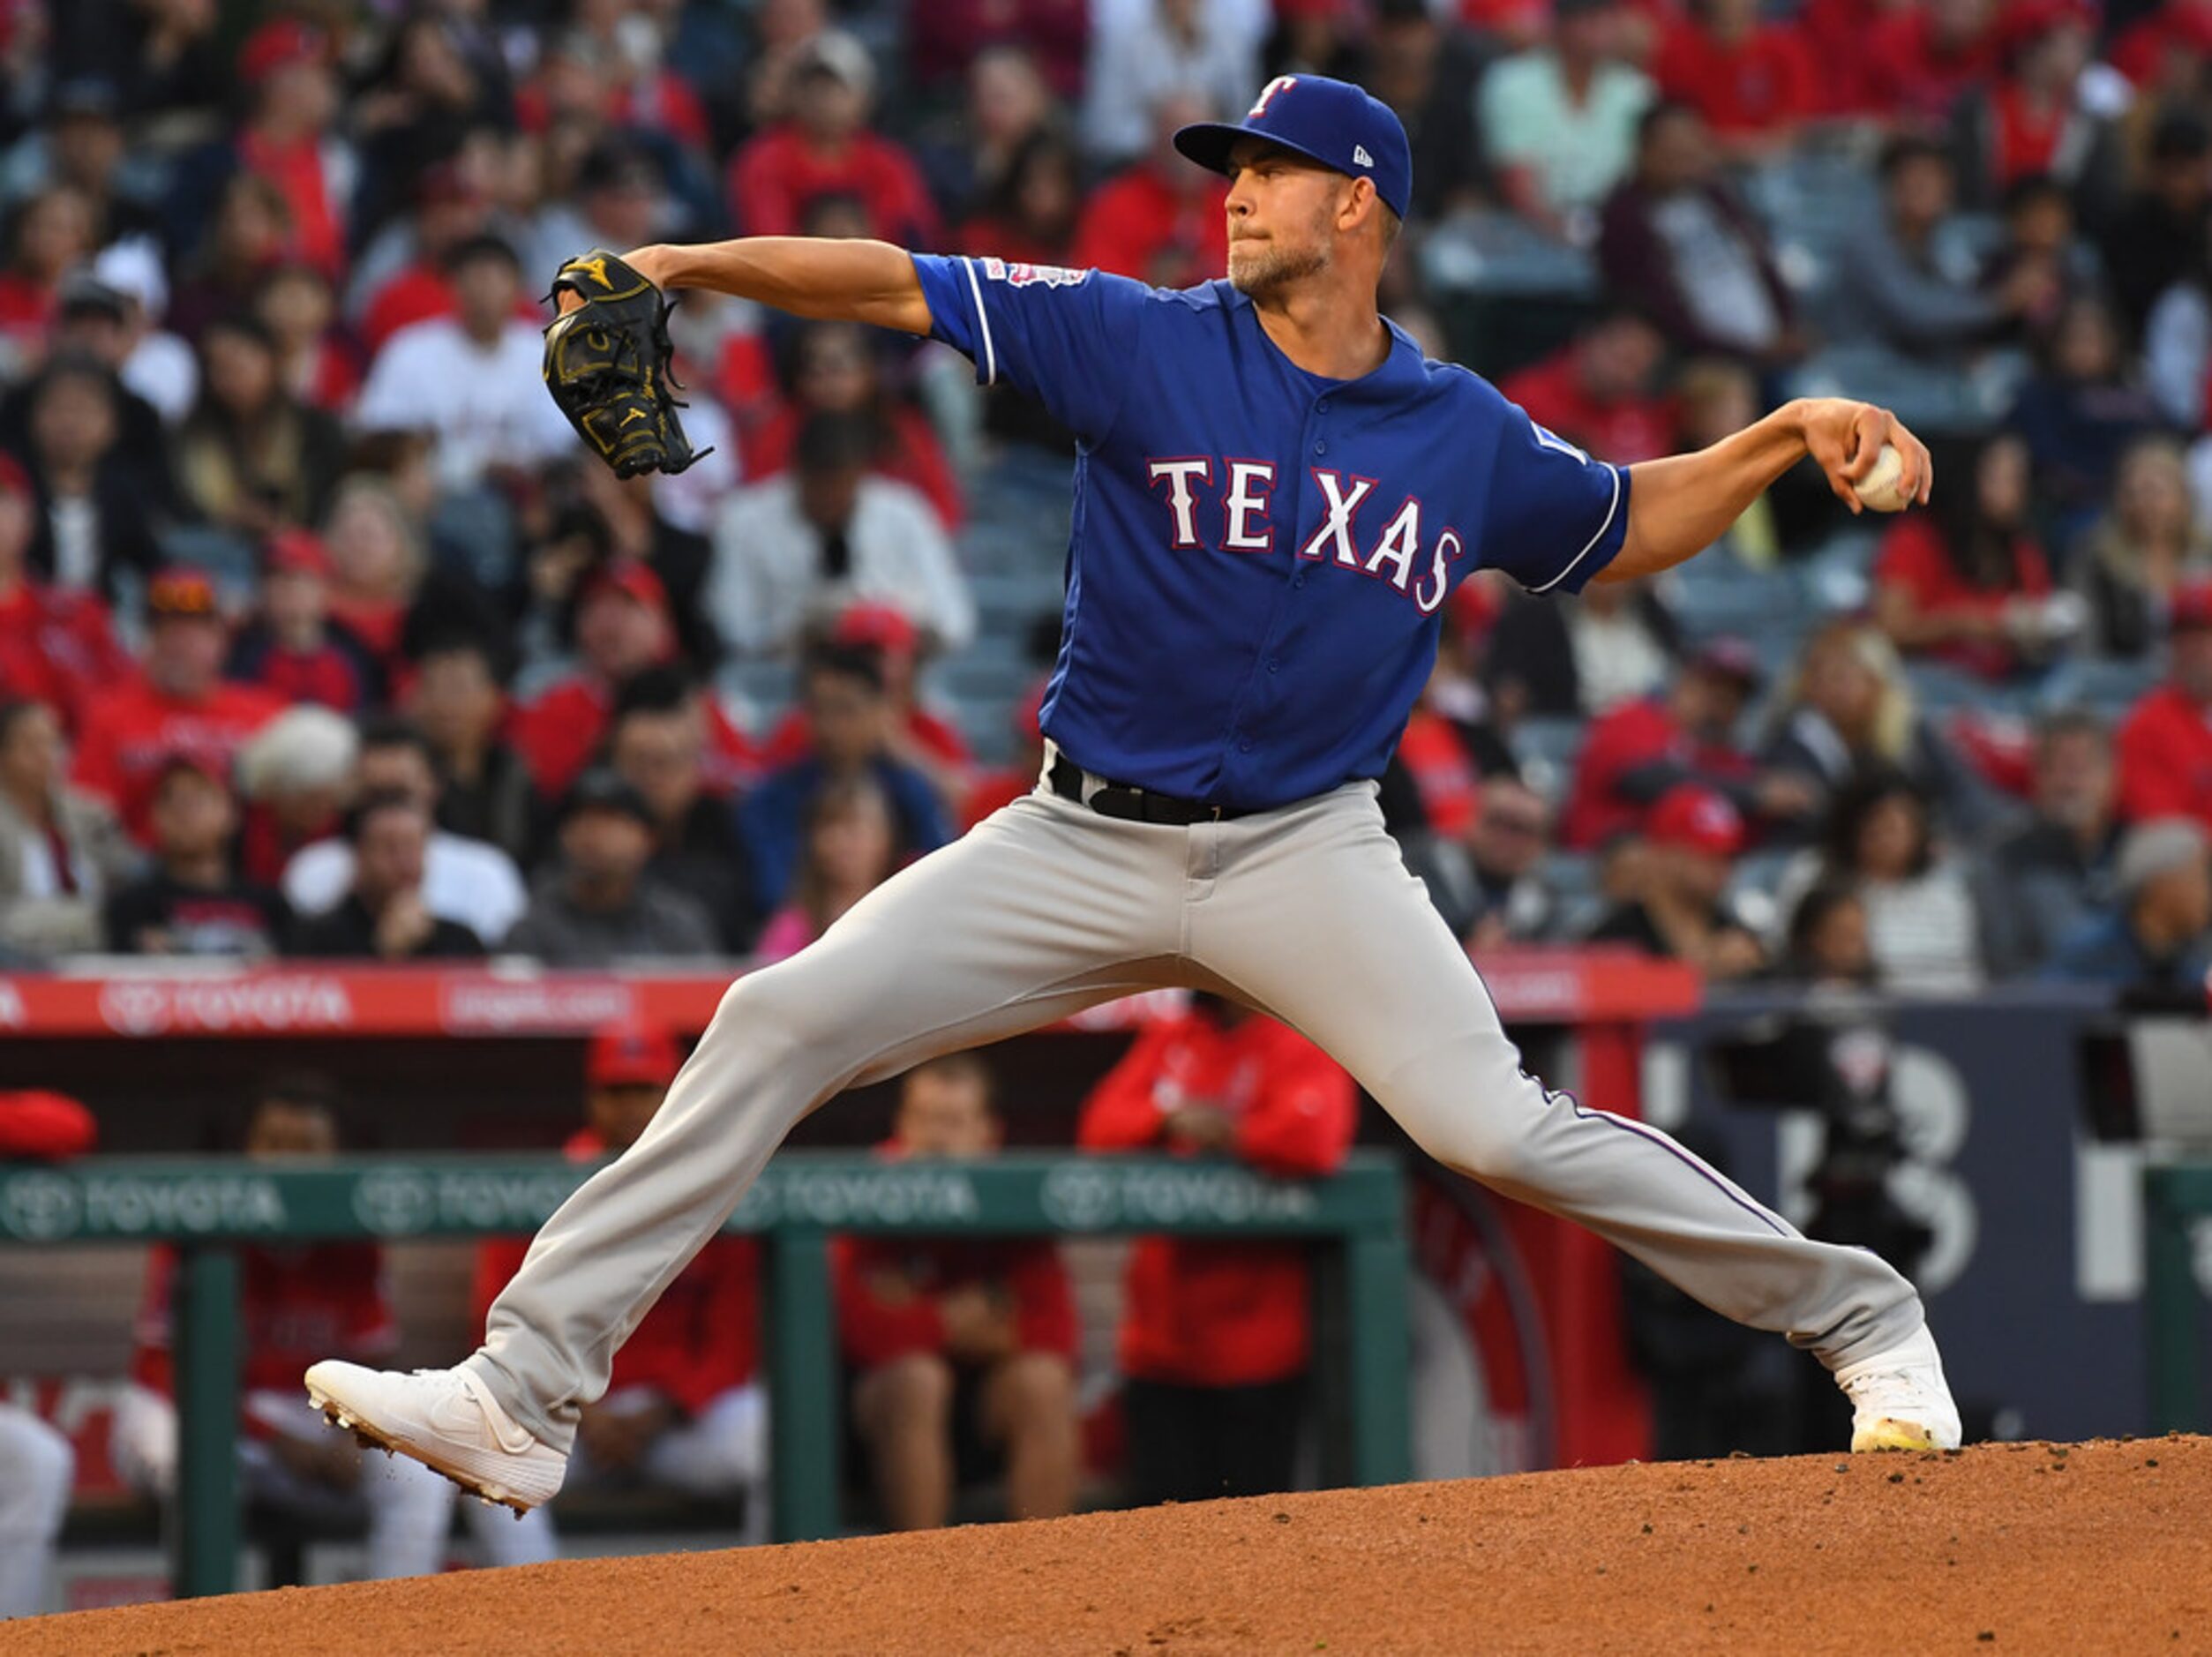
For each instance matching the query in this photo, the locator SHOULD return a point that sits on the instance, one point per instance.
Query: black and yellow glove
(607, 366)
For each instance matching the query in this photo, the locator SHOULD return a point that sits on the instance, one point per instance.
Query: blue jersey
(1259, 557)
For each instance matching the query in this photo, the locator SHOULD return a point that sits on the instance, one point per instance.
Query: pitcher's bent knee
(788, 1011)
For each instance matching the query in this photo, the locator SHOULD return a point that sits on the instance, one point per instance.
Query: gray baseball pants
(1307, 913)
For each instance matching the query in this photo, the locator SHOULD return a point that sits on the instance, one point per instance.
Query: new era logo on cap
(1360, 157)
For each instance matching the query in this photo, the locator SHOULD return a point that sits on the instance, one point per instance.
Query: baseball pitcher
(1275, 496)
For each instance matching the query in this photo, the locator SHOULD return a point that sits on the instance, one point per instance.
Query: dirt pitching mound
(2102, 1546)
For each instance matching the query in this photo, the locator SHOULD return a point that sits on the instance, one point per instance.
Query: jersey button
(1298, 581)
(1245, 747)
(1321, 449)
(1273, 665)
(1322, 407)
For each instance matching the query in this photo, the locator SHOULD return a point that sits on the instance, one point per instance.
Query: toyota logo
(135, 1009)
(394, 1202)
(40, 1207)
(1080, 1198)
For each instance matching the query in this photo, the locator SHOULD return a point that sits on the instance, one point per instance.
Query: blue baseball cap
(1332, 121)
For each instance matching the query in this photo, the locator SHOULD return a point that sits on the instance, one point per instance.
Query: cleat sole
(369, 1438)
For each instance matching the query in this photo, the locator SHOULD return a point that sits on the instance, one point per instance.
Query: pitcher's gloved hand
(607, 365)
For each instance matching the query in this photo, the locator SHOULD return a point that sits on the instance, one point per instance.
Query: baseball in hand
(1878, 488)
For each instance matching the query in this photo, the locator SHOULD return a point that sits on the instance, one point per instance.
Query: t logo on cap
(1332, 121)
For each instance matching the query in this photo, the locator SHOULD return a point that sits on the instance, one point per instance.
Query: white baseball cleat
(446, 1419)
(1900, 1399)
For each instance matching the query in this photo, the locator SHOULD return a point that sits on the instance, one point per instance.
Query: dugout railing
(207, 1207)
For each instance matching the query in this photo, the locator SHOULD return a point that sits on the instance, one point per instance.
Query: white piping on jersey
(1594, 540)
(983, 321)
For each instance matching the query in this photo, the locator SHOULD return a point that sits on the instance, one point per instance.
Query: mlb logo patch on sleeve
(1023, 275)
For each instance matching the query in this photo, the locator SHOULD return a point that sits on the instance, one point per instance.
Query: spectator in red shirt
(1639, 751)
(948, 38)
(622, 628)
(2165, 746)
(1965, 583)
(2029, 122)
(55, 645)
(920, 737)
(181, 706)
(684, 1409)
(826, 149)
(1161, 220)
(1216, 1336)
(636, 514)
(1675, 241)
(401, 277)
(1919, 59)
(287, 66)
(1598, 392)
(293, 649)
(1752, 81)
(645, 95)
(295, 1303)
(961, 1350)
(377, 564)
(833, 367)
(2165, 52)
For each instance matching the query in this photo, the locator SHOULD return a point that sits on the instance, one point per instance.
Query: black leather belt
(1131, 804)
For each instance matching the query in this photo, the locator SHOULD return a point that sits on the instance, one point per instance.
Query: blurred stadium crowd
(319, 637)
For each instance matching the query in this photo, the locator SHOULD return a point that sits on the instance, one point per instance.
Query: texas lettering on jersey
(1259, 558)
(1393, 554)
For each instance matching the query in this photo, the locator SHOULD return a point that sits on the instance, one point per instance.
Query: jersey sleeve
(1065, 337)
(1556, 516)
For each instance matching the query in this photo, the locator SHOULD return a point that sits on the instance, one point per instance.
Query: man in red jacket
(2165, 747)
(962, 1349)
(826, 149)
(685, 1410)
(182, 705)
(1216, 1336)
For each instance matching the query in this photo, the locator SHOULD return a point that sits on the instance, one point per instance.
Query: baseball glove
(607, 366)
